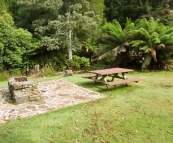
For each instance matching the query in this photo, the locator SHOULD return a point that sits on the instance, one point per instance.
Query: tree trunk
(121, 60)
(69, 44)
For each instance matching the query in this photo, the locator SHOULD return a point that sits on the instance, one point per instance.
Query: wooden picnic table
(101, 76)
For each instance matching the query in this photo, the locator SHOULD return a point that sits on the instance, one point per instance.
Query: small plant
(4, 75)
(48, 72)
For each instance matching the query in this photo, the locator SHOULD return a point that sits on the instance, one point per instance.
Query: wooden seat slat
(122, 81)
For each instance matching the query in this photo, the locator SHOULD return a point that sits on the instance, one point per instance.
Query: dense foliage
(142, 40)
(14, 44)
(55, 33)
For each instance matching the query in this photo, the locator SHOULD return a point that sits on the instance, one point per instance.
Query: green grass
(139, 113)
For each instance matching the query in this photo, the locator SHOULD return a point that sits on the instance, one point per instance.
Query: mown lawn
(139, 113)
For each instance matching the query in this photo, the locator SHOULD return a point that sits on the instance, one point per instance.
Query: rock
(68, 73)
(22, 90)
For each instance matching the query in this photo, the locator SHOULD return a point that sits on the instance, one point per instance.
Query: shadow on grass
(99, 87)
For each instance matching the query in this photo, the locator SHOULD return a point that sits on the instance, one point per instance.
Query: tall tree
(76, 18)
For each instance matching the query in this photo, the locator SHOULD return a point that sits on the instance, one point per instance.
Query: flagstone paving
(55, 94)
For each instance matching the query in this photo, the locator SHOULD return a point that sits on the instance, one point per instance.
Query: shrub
(48, 72)
(78, 62)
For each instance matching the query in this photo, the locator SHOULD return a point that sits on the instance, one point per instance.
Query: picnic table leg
(103, 78)
(123, 74)
(107, 86)
(96, 78)
(114, 75)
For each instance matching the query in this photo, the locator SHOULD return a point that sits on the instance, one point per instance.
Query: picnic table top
(111, 71)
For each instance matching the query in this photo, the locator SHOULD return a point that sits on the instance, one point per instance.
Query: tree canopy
(55, 30)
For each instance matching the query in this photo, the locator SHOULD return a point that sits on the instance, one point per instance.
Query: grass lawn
(139, 113)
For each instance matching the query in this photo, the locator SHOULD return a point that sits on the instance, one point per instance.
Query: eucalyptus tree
(151, 36)
(76, 22)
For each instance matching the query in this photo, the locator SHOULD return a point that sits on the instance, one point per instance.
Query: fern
(128, 26)
(137, 43)
(142, 23)
(164, 38)
(144, 48)
(161, 28)
(114, 29)
(144, 33)
(167, 30)
(133, 33)
(153, 25)
(155, 38)
(169, 41)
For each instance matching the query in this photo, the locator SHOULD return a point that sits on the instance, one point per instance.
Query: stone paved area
(55, 94)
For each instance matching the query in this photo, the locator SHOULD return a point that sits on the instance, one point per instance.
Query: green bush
(78, 62)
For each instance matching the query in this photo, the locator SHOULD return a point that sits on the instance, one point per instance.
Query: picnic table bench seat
(114, 83)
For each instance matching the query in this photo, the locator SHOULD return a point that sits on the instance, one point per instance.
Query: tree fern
(161, 28)
(169, 41)
(114, 29)
(137, 43)
(155, 38)
(153, 25)
(163, 38)
(141, 23)
(144, 33)
(128, 26)
(167, 30)
(144, 48)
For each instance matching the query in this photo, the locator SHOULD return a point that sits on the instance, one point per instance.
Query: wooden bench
(114, 83)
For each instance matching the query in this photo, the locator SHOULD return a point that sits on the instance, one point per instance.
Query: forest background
(57, 34)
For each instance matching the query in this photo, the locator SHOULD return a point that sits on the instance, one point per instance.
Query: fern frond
(153, 25)
(137, 43)
(155, 38)
(164, 38)
(161, 28)
(142, 23)
(169, 41)
(106, 54)
(129, 25)
(144, 48)
(168, 30)
(114, 29)
(144, 33)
